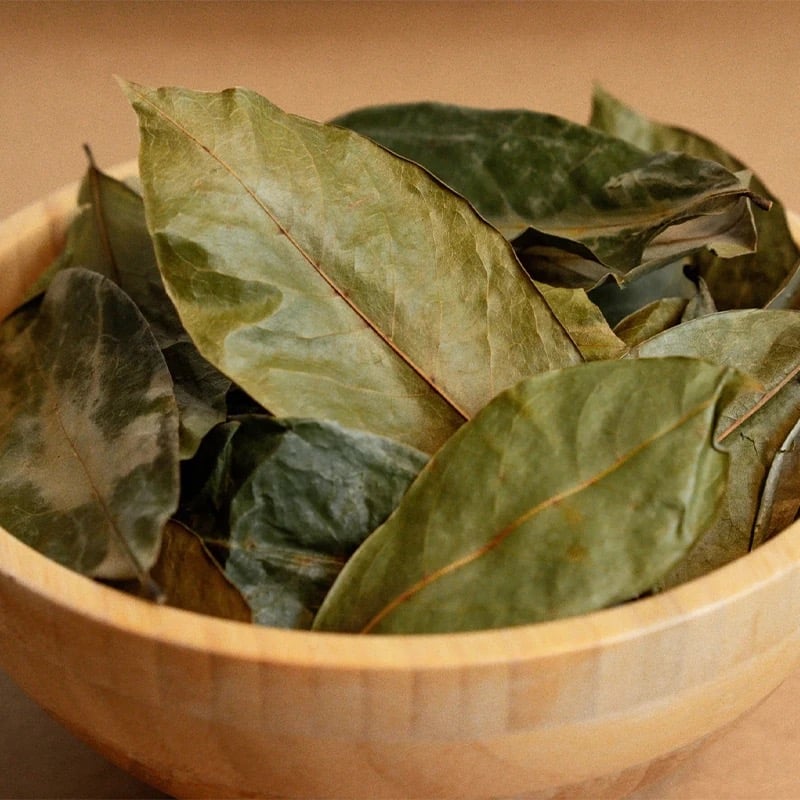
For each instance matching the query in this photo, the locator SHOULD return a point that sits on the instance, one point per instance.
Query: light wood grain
(199, 707)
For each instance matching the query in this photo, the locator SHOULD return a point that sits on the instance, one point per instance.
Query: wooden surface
(728, 70)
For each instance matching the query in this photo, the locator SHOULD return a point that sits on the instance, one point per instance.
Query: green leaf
(652, 319)
(109, 235)
(288, 501)
(580, 206)
(741, 282)
(191, 579)
(584, 322)
(329, 278)
(765, 345)
(571, 491)
(88, 431)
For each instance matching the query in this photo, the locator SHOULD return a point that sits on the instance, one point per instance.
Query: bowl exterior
(200, 707)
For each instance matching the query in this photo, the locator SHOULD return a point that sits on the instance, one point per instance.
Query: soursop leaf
(581, 207)
(745, 281)
(109, 235)
(284, 503)
(763, 344)
(572, 491)
(328, 277)
(88, 431)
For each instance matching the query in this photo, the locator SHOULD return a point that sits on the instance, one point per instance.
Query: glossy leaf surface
(571, 491)
(88, 431)
(742, 282)
(765, 345)
(580, 206)
(329, 278)
(288, 501)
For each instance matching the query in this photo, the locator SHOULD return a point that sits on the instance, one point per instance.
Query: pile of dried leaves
(423, 368)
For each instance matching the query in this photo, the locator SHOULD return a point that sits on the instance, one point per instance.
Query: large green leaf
(288, 501)
(741, 282)
(328, 277)
(765, 345)
(88, 431)
(569, 492)
(109, 235)
(580, 206)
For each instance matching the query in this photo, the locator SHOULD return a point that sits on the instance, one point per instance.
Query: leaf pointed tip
(131, 89)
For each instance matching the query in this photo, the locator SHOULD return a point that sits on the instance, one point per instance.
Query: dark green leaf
(290, 500)
(741, 282)
(329, 278)
(570, 492)
(765, 345)
(579, 205)
(88, 431)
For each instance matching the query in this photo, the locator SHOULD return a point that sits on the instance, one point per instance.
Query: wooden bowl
(198, 707)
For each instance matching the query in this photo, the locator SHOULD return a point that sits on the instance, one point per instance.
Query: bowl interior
(31, 238)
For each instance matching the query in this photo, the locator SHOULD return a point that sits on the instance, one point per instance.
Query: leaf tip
(129, 88)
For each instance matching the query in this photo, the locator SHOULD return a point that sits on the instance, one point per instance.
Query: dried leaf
(584, 322)
(570, 492)
(652, 319)
(765, 345)
(329, 278)
(742, 282)
(580, 206)
(109, 235)
(288, 501)
(88, 431)
(780, 500)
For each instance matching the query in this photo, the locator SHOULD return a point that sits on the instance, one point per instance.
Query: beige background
(727, 69)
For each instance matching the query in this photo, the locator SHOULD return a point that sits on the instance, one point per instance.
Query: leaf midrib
(318, 268)
(145, 581)
(505, 533)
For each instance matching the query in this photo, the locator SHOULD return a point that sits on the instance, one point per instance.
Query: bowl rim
(773, 562)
